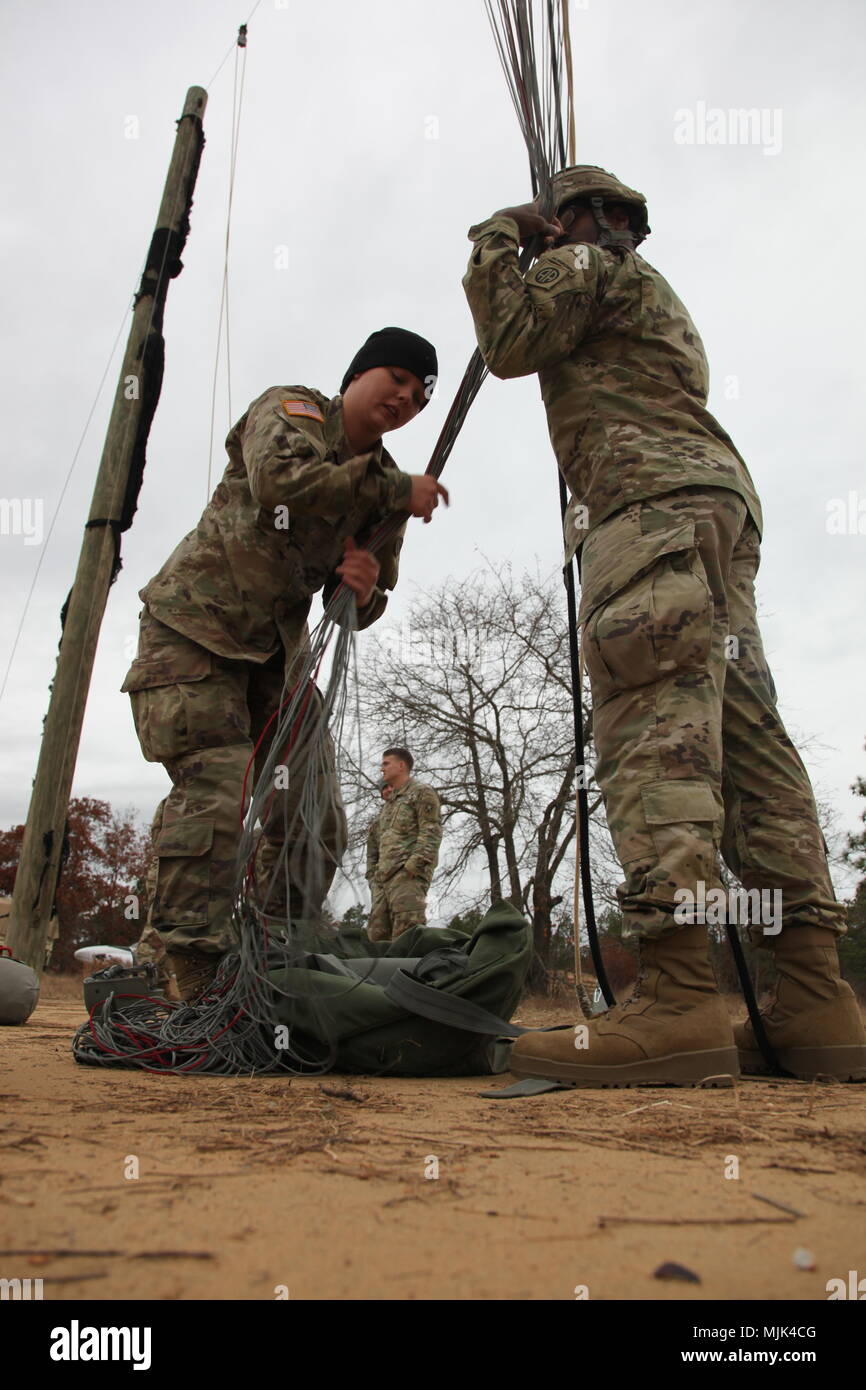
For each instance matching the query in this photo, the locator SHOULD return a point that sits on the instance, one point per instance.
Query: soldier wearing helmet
(597, 193)
(692, 756)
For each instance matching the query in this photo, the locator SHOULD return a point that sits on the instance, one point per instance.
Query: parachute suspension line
(79, 446)
(582, 862)
(569, 74)
(543, 130)
(583, 870)
(162, 262)
(581, 832)
(539, 109)
(242, 33)
(285, 861)
(237, 102)
(127, 504)
(290, 851)
(281, 877)
(514, 37)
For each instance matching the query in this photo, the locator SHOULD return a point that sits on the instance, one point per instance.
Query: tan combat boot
(165, 979)
(675, 1030)
(813, 1022)
(194, 973)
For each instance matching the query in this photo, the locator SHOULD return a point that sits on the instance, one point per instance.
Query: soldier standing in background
(373, 852)
(692, 754)
(409, 832)
(226, 618)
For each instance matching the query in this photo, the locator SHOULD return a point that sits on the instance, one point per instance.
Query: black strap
(755, 1019)
(449, 1009)
(580, 768)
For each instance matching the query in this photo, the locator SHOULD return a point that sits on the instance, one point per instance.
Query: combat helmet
(597, 186)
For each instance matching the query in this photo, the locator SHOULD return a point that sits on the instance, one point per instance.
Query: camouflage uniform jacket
(242, 582)
(622, 370)
(409, 831)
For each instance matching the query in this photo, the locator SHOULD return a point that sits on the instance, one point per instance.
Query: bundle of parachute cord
(233, 1029)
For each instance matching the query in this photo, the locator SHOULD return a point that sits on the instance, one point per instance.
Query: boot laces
(642, 972)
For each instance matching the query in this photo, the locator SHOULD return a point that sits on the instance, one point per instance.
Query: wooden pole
(111, 511)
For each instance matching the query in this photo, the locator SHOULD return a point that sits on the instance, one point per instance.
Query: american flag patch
(309, 409)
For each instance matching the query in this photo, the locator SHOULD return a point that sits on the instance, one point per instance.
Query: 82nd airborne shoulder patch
(563, 269)
(548, 275)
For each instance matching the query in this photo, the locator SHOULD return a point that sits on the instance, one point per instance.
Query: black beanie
(396, 347)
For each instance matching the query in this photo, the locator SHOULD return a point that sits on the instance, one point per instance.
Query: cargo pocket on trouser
(306, 831)
(648, 648)
(682, 828)
(646, 608)
(160, 684)
(183, 883)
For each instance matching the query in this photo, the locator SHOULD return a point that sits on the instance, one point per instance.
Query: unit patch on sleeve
(308, 409)
(548, 274)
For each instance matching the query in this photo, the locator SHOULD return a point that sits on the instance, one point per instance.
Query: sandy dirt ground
(267, 1188)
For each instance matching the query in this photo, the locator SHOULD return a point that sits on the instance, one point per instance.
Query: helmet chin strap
(608, 236)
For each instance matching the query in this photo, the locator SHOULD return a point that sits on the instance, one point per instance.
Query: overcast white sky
(373, 134)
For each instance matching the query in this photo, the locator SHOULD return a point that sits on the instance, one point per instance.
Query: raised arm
(525, 323)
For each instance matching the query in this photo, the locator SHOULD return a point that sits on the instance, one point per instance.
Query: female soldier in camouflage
(226, 617)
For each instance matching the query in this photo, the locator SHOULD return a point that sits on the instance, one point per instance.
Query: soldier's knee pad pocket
(646, 607)
(182, 896)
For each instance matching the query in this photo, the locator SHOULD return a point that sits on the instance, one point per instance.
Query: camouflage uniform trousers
(398, 904)
(692, 756)
(149, 947)
(201, 716)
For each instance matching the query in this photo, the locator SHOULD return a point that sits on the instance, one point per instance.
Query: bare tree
(477, 683)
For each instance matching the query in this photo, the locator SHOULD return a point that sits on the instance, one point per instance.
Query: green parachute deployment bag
(433, 1002)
